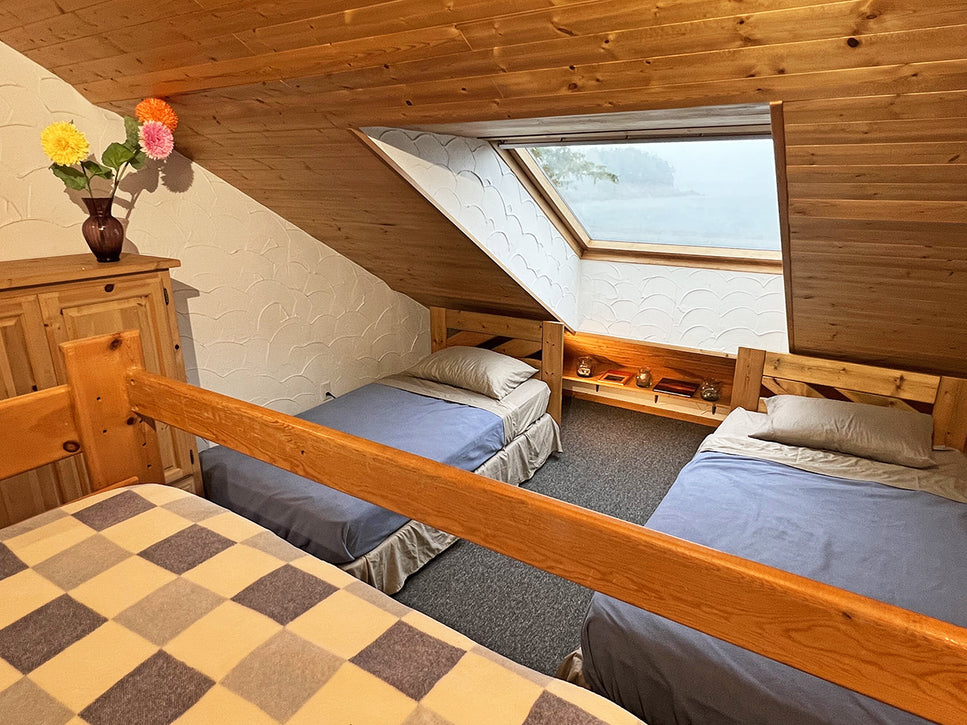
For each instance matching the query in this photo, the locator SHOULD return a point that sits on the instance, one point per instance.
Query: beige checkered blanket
(150, 605)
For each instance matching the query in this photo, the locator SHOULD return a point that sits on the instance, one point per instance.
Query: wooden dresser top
(46, 270)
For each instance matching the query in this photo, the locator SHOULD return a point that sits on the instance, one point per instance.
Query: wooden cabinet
(44, 302)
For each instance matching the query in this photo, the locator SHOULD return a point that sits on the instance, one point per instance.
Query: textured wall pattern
(701, 308)
(267, 313)
(472, 184)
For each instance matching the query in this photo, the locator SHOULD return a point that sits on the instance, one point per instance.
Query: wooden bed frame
(914, 662)
(537, 343)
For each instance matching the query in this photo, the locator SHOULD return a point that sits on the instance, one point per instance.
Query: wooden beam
(900, 657)
(747, 382)
(38, 428)
(118, 444)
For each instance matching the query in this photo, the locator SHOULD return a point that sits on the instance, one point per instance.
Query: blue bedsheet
(328, 523)
(902, 547)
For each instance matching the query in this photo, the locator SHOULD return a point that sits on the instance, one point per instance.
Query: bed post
(438, 328)
(552, 365)
(118, 444)
(749, 366)
(950, 414)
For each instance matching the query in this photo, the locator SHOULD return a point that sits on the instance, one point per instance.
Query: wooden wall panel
(875, 107)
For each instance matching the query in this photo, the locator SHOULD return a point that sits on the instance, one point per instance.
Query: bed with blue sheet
(505, 439)
(885, 531)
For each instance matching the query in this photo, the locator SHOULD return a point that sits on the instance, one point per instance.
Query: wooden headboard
(538, 343)
(759, 373)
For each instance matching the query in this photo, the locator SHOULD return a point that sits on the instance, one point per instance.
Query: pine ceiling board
(587, 18)
(319, 60)
(878, 108)
(929, 174)
(383, 18)
(938, 190)
(946, 152)
(890, 131)
(351, 108)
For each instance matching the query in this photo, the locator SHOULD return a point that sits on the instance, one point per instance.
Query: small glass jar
(710, 390)
(643, 378)
(585, 367)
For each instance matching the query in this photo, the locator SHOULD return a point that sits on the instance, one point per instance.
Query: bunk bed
(107, 410)
(848, 490)
(487, 400)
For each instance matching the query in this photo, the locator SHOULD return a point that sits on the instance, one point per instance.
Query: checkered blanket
(150, 605)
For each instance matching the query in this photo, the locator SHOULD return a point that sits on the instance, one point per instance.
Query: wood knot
(131, 421)
(115, 343)
(72, 446)
(853, 42)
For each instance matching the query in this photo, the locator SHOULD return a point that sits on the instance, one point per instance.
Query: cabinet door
(25, 366)
(105, 306)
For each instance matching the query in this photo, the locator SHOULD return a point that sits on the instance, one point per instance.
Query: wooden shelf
(663, 361)
(646, 400)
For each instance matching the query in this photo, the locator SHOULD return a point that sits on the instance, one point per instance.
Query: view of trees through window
(709, 193)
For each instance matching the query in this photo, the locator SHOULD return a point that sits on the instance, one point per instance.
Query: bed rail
(905, 659)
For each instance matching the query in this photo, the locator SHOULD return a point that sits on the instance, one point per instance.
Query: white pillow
(474, 368)
(890, 435)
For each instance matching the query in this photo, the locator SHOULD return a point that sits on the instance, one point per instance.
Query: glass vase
(103, 233)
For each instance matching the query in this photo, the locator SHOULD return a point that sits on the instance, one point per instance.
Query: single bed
(488, 421)
(894, 533)
(150, 605)
(110, 405)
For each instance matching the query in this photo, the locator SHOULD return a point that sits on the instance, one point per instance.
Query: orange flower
(154, 109)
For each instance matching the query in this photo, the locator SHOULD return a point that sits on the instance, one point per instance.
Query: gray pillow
(474, 368)
(876, 432)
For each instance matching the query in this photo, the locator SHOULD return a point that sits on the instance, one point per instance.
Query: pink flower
(156, 140)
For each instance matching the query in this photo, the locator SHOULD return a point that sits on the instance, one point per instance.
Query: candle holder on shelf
(643, 378)
(585, 367)
(710, 390)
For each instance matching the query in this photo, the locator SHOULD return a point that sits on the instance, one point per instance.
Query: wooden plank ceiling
(875, 95)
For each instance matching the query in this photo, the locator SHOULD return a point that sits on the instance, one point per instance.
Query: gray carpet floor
(615, 461)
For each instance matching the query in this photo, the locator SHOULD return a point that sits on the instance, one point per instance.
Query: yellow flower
(64, 144)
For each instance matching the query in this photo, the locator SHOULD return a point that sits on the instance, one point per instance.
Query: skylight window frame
(529, 172)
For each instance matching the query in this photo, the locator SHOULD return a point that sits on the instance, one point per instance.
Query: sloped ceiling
(874, 91)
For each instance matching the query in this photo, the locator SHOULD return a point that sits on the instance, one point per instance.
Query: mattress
(904, 547)
(340, 528)
(150, 605)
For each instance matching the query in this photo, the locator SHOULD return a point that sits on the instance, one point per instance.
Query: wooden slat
(519, 349)
(851, 376)
(117, 444)
(38, 428)
(495, 325)
(900, 657)
(950, 422)
(747, 383)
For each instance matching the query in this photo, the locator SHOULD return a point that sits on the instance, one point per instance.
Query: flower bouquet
(149, 136)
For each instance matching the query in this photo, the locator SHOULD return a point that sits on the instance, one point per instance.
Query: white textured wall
(471, 183)
(267, 313)
(700, 308)
(707, 309)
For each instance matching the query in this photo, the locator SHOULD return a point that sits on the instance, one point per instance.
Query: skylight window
(719, 193)
(702, 196)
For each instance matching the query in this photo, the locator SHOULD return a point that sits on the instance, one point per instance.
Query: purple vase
(103, 233)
